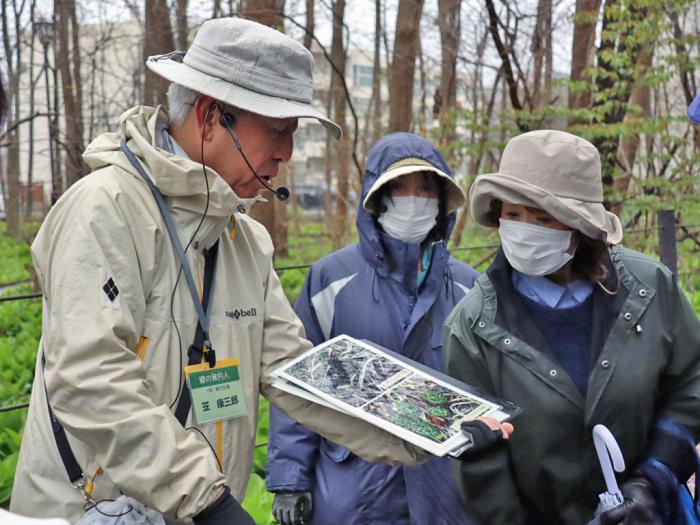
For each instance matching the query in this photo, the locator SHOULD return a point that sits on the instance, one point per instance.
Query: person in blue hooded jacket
(395, 287)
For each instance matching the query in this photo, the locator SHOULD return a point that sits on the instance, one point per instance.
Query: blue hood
(390, 149)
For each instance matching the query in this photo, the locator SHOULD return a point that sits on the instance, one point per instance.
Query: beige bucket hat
(455, 195)
(555, 171)
(249, 66)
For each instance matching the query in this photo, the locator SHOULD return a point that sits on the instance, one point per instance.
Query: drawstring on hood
(449, 283)
(374, 280)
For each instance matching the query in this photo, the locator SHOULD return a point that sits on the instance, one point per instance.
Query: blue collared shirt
(548, 293)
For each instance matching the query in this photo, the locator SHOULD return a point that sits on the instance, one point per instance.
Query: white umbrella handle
(609, 456)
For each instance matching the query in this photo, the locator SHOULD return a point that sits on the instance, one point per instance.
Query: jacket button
(627, 316)
(642, 293)
(241, 208)
(605, 363)
(481, 324)
(553, 373)
(506, 341)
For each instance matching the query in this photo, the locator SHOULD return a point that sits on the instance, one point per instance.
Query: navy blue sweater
(568, 334)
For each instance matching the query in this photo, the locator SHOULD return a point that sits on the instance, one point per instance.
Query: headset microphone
(227, 120)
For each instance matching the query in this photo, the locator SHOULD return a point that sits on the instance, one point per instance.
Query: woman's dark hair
(494, 213)
(589, 260)
(439, 231)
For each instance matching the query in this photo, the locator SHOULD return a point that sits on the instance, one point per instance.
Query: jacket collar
(181, 180)
(175, 176)
(501, 319)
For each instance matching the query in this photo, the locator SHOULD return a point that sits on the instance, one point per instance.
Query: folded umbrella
(611, 460)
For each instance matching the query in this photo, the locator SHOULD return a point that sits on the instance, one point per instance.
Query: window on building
(362, 76)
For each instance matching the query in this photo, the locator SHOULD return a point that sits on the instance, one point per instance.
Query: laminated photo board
(416, 403)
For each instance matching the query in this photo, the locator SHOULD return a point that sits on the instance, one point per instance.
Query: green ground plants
(20, 329)
(20, 325)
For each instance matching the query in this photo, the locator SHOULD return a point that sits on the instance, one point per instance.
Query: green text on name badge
(216, 394)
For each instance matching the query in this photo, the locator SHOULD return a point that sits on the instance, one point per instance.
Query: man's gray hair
(180, 100)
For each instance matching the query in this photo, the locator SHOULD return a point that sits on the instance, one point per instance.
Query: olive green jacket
(645, 364)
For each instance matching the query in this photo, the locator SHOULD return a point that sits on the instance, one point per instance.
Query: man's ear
(206, 113)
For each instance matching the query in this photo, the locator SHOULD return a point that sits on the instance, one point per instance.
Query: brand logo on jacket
(110, 288)
(240, 312)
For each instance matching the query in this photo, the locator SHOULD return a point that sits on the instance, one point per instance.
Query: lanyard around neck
(175, 239)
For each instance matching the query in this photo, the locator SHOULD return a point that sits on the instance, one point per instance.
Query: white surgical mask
(409, 219)
(534, 250)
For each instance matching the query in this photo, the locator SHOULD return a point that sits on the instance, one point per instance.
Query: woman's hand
(486, 433)
(495, 425)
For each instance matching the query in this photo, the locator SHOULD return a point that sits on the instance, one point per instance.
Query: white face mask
(409, 219)
(534, 250)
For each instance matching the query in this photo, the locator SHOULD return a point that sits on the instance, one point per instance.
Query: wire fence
(665, 229)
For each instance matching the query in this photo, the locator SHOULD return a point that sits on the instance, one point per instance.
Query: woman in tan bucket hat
(577, 330)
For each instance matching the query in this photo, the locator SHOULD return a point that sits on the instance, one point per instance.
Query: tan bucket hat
(555, 171)
(249, 66)
(455, 195)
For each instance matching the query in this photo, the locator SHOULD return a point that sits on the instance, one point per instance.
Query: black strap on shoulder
(195, 353)
(73, 469)
(196, 350)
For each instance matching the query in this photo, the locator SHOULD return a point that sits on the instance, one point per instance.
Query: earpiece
(227, 120)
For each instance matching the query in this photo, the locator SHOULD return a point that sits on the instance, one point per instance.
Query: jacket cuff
(288, 476)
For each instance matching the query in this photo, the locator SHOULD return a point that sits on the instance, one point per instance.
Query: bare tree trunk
(506, 52)
(30, 155)
(267, 12)
(273, 213)
(328, 164)
(403, 64)
(549, 58)
(181, 25)
(376, 74)
(217, 12)
(14, 69)
(56, 170)
(342, 152)
(449, 18)
(158, 38)
(627, 150)
(69, 55)
(310, 23)
(540, 50)
(582, 51)
(423, 106)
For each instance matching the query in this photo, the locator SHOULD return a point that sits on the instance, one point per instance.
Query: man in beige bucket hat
(124, 258)
(578, 330)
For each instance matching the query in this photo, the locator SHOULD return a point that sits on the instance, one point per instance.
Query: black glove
(483, 438)
(224, 511)
(292, 508)
(639, 507)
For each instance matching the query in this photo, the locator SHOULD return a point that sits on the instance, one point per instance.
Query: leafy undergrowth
(20, 329)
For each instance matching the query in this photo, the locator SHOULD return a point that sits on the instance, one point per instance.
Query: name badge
(216, 393)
